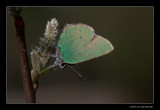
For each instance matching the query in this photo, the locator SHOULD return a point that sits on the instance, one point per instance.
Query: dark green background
(123, 76)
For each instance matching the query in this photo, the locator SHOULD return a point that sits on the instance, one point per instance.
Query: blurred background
(123, 76)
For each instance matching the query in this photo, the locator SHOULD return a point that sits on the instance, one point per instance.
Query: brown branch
(26, 74)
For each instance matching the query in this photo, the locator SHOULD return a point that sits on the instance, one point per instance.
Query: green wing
(78, 43)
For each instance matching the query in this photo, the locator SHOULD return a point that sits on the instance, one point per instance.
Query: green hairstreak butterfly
(79, 43)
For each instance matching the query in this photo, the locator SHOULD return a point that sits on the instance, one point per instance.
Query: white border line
(153, 56)
(78, 7)
(6, 55)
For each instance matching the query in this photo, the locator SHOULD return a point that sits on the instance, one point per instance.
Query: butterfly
(79, 43)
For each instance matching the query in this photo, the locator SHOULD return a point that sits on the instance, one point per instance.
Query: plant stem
(26, 75)
(47, 70)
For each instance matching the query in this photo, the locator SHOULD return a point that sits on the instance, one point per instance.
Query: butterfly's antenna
(77, 72)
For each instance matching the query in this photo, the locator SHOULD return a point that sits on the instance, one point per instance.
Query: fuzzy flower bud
(51, 30)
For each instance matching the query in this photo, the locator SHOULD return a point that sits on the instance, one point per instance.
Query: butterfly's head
(58, 62)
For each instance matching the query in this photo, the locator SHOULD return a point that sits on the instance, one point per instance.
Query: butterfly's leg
(62, 66)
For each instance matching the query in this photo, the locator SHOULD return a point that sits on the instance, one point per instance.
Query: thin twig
(26, 75)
